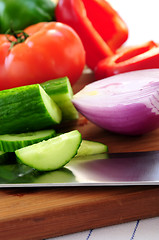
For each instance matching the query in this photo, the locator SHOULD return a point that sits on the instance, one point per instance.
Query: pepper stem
(20, 36)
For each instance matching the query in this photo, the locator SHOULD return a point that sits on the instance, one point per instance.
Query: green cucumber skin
(61, 92)
(58, 86)
(41, 163)
(22, 110)
(12, 146)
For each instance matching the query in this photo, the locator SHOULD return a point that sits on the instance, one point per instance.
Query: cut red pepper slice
(99, 26)
(129, 59)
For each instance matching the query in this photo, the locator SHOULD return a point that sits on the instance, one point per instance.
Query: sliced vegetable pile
(86, 32)
(27, 117)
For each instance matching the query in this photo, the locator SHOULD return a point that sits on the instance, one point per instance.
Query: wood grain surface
(39, 213)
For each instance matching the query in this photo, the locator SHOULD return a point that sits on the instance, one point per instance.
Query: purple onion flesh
(126, 103)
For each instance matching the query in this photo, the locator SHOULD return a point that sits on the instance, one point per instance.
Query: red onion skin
(143, 122)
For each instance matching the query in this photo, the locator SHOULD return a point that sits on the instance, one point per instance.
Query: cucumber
(51, 154)
(61, 92)
(12, 142)
(90, 148)
(27, 108)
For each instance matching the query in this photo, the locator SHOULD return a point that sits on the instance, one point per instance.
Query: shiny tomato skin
(52, 50)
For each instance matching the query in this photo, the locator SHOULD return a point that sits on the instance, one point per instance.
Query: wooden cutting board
(38, 213)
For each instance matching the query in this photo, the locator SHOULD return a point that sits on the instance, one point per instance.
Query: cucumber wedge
(27, 108)
(12, 142)
(61, 92)
(89, 148)
(51, 154)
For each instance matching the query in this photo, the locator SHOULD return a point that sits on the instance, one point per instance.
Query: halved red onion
(126, 103)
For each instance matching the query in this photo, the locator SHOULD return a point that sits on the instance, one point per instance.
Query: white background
(141, 17)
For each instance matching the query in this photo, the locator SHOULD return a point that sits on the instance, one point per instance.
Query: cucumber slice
(27, 108)
(61, 92)
(51, 154)
(12, 142)
(90, 148)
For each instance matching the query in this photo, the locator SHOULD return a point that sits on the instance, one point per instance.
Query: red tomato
(52, 50)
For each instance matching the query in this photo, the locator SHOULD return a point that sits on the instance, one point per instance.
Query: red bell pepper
(99, 26)
(139, 57)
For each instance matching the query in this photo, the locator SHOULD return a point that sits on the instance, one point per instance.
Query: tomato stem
(20, 36)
